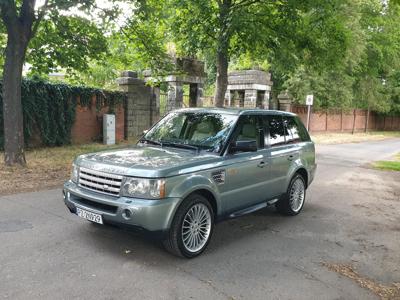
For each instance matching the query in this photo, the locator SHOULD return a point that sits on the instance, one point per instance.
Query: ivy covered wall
(49, 109)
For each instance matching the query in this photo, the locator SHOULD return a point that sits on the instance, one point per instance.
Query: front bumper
(312, 174)
(150, 215)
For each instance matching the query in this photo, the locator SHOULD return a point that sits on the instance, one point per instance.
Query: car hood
(149, 161)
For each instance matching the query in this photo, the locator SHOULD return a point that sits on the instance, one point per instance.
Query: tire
(292, 202)
(185, 238)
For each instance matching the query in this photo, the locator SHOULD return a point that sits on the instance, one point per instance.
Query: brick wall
(88, 125)
(338, 120)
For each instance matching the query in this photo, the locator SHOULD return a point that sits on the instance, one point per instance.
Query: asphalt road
(351, 217)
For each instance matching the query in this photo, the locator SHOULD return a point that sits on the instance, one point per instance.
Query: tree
(367, 75)
(277, 30)
(22, 21)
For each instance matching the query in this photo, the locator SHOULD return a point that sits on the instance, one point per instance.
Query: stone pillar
(228, 96)
(139, 106)
(265, 103)
(155, 104)
(193, 95)
(199, 95)
(285, 101)
(250, 98)
(175, 96)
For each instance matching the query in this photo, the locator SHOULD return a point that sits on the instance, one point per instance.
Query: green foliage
(275, 35)
(367, 74)
(141, 43)
(345, 52)
(49, 109)
(248, 61)
(65, 41)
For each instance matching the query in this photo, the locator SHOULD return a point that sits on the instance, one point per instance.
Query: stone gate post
(175, 95)
(141, 106)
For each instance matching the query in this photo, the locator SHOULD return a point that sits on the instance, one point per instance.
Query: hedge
(50, 108)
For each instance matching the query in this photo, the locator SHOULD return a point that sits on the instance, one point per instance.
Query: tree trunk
(367, 120)
(12, 106)
(222, 78)
(223, 40)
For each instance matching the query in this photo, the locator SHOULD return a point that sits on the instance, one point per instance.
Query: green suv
(194, 168)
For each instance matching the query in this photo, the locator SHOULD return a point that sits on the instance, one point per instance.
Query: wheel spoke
(196, 227)
(187, 236)
(296, 195)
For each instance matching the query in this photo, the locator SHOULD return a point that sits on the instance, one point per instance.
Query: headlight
(74, 173)
(144, 188)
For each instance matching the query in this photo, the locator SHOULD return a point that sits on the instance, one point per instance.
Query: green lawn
(389, 165)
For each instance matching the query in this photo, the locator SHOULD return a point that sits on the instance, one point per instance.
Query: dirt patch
(46, 168)
(383, 291)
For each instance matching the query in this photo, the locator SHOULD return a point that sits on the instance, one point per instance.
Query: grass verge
(388, 165)
(347, 137)
(46, 168)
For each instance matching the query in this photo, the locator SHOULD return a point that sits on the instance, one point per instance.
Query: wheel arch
(197, 184)
(209, 196)
(298, 170)
(303, 172)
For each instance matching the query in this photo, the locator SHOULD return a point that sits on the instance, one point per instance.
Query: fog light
(126, 214)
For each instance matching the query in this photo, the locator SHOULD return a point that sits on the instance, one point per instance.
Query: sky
(124, 6)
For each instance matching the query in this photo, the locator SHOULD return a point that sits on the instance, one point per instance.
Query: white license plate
(89, 215)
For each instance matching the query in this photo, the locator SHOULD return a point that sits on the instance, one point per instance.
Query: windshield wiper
(177, 145)
(151, 142)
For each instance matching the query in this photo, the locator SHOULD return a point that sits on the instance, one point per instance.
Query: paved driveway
(351, 218)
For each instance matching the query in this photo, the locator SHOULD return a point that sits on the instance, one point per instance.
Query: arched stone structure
(187, 71)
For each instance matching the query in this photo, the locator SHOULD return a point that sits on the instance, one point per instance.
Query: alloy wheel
(297, 195)
(196, 227)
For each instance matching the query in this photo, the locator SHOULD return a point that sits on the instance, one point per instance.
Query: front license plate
(89, 215)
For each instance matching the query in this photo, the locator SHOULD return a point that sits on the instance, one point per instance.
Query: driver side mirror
(244, 146)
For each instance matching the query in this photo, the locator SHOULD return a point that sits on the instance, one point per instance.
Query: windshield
(191, 129)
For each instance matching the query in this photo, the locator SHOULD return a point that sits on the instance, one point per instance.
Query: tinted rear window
(276, 130)
(301, 130)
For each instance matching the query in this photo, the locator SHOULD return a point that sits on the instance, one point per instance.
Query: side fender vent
(219, 176)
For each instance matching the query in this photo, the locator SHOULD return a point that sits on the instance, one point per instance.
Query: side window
(276, 131)
(302, 131)
(291, 130)
(248, 129)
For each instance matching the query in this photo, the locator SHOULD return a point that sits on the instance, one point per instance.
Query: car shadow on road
(128, 245)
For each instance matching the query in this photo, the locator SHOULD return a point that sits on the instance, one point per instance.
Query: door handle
(261, 164)
(290, 157)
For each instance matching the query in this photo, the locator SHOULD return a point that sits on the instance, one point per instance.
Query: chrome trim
(100, 182)
(102, 187)
(99, 179)
(102, 174)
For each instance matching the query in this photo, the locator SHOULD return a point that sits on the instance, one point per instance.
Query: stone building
(249, 89)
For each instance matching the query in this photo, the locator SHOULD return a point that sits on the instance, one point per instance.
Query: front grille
(100, 182)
